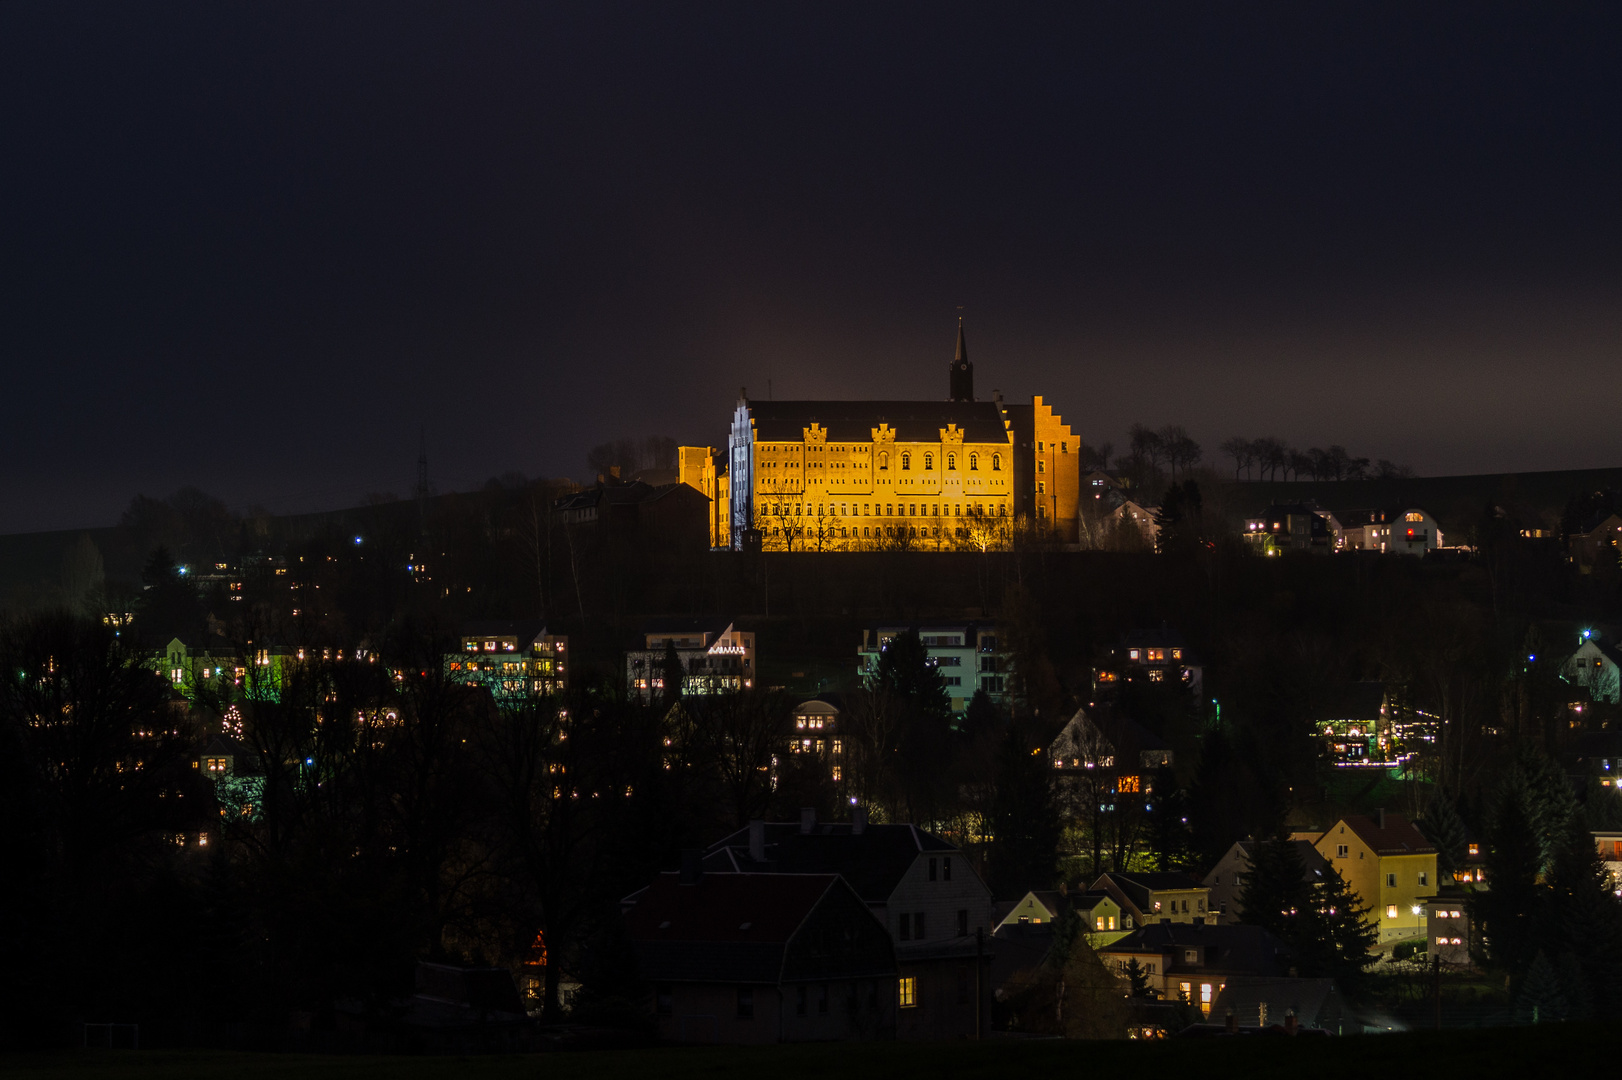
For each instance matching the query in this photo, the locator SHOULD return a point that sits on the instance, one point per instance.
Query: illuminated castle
(900, 475)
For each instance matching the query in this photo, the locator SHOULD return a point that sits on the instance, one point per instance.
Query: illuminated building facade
(511, 659)
(715, 658)
(967, 655)
(908, 475)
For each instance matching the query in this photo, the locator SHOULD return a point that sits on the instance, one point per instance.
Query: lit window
(1391, 911)
(908, 992)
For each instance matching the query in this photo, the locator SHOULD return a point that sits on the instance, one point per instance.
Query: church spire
(961, 373)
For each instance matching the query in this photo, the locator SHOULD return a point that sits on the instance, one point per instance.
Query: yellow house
(1389, 864)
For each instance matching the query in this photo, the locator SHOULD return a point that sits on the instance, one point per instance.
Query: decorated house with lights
(1352, 726)
(715, 657)
(511, 659)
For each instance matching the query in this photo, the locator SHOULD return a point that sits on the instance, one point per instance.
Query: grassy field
(1494, 1052)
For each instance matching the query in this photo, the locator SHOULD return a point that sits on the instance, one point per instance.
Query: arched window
(974, 462)
(996, 463)
(906, 461)
(929, 461)
(884, 460)
(951, 462)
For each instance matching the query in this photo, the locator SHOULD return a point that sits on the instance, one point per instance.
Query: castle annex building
(919, 475)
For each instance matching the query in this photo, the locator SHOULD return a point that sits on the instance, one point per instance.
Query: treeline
(1273, 459)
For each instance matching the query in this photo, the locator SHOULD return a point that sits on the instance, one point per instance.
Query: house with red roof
(1390, 865)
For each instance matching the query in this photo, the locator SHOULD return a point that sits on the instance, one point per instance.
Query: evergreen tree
(1339, 920)
(1024, 821)
(1274, 889)
(1137, 980)
(671, 674)
(1443, 827)
(1584, 923)
(1541, 999)
(1171, 838)
(1507, 913)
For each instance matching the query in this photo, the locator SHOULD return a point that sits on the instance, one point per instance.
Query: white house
(1596, 667)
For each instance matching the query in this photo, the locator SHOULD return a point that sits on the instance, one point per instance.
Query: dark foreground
(1493, 1052)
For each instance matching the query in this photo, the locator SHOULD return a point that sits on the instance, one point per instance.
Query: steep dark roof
(872, 861)
(1137, 887)
(854, 421)
(722, 927)
(1230, 948)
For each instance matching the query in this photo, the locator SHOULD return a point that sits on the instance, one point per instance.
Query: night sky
(257, 248)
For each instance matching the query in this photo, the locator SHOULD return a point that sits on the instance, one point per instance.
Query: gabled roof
(1399, 836)
(873, 861)
(1134, 889)
(854, 421)
(1314, 1001)
(722, 927)
(1228, 948)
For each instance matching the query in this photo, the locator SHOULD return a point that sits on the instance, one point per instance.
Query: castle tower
(961, 373)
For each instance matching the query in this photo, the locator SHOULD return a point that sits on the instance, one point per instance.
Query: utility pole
(979, 976)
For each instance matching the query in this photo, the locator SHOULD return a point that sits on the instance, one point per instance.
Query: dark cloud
(258, 247)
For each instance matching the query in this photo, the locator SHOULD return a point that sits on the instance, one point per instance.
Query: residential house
(969, 655)
(1146, 898)
(1156, 655)
(256, 670)
(1109, 742)
(1609, 845)
(924, 891)
(1131, 518)
(762, 958)
(668, 515)
(1226, 880)
(1403, 531)
(512, 659)
(1596, 545)
(716, 657)
(1389, 864)
(817, 731)
(1193, 961)
(1351, 726)
(1264, 1001)
(1448, 926)
(1292, 527)
(1596, 667)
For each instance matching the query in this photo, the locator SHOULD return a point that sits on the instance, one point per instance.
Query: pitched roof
(873, 861)
(1399, 836)
(1232, 947)
(1307, 998)
(722, 927)
(854, 421)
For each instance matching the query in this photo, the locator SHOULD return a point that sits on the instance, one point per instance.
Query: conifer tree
(1137, 980)
(1584, 923)
(1507, 913)
(1443, 827)
(1541, 999)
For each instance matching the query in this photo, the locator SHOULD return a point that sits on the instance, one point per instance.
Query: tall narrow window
(974, 462)
(946, 868)
(884, 460)
(906, 461)
(929, 461)
(996, 462)
(951, 462)
(907, 992)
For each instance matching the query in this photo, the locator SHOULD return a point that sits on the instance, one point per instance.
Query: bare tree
(1243, 453)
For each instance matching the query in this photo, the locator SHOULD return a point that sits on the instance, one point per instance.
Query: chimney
(1232, 1024)
(1290, 1023)
(1379, 817)
(757, 840)
(692, 866)
(808, 820)
(858, 820)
